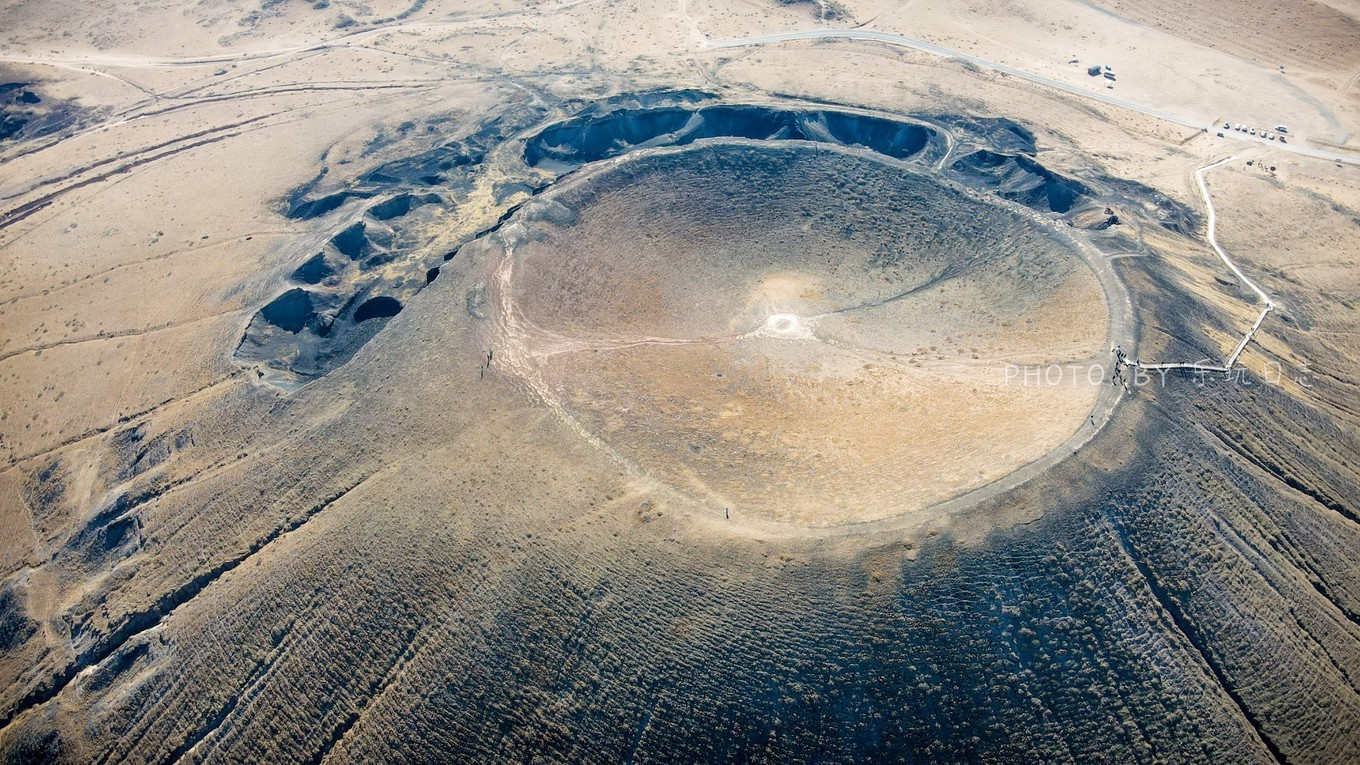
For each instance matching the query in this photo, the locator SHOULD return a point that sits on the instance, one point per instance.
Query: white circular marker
(785, 325)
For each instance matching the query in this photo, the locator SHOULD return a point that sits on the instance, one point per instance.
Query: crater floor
(800, 334)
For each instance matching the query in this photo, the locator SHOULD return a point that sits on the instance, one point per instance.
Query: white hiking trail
(1213, 242)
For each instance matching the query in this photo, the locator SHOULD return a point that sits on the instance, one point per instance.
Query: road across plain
(939, 50)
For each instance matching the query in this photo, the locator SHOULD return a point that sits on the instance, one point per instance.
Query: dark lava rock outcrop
(1019, 179)
(27, 114)
(311, 328)
(572, 143)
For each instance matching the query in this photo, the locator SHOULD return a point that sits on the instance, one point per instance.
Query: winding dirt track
(1213, 242)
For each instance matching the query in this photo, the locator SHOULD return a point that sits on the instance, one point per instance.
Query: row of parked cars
(1278, 134)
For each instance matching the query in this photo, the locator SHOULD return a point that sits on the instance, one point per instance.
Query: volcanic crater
(796, 333)
(786, 314)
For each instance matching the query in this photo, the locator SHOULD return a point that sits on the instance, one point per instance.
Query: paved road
(1095, 95)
